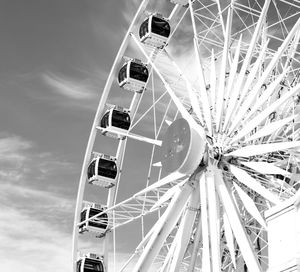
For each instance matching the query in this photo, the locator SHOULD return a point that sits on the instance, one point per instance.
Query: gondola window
(107, 168)
(93, 266)
(120, 119)
(160, 27)
(102, 217)
(138, 72)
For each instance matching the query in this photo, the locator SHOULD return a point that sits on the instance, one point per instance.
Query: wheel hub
(183, 148)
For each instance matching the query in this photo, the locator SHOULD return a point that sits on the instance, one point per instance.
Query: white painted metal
(232, 77)
(252, 94)
(247, 88)
(169, 194)
(236, 224)
(206, 264)
(271, 128)
(259, 149)
(222, 106)
(263, 98)
(213, 82)
(167, 222)
(192, 95)
(214, 219)
(267, 168)
(229, 239)
(170, 255)
(175, 99)
(221, 16)
(141, 245)
(185, 230)
(167, 179)
(196, 244)
(250, 206)
(283, 224)
(203, 93)
(292, 50)
(93, 135)
(267, 72)
(112, 193)
(131, 135)
(168, 258)
(253, 184)
(221, 87)
(236, 91)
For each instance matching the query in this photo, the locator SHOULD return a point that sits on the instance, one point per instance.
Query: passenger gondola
(102, 171)
(155, 31)
(116, 118)
(98, 224)
(133, 76)
(90, 263)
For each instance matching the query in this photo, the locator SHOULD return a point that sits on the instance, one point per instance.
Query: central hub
(182, 148)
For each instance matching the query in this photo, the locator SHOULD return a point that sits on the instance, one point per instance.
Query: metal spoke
(236, 225)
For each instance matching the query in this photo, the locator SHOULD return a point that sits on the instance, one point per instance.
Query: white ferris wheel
(195, 138)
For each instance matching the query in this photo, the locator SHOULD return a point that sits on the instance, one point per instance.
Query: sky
(55, 57)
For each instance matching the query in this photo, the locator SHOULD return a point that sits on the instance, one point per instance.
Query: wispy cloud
(13, 157)
(23, 168)
(20, 160)
(30, 245)
(35, 226)
(12, 148)
(70, 88)
(47, 207)
(26, 195)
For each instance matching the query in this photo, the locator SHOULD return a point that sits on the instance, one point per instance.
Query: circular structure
(204, 139)
(182, 148)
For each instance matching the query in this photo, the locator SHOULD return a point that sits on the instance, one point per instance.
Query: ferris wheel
(196, 136)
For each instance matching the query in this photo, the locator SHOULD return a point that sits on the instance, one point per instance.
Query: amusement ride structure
(194, 153)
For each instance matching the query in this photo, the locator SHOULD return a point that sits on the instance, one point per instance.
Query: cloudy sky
(55, 56)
